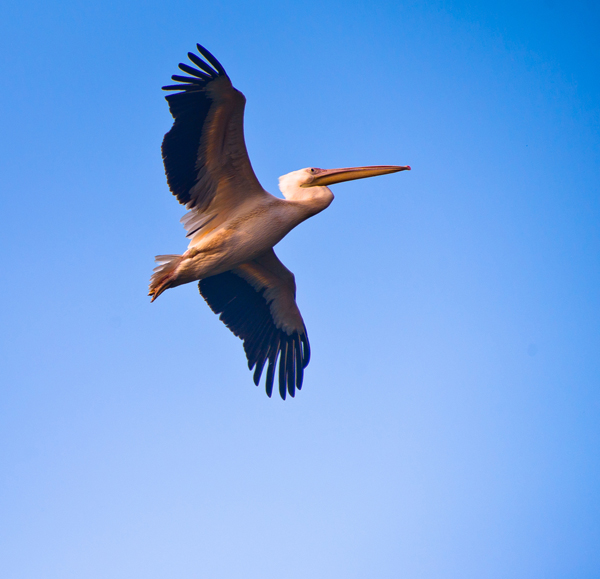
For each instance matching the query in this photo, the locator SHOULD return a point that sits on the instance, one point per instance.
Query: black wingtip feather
(191, 70)
(306, 345)
(271, 371)
(291, 376)
(298, 362)
(202, 65)
(179, 87)
(258, 372)
(209, 56)
(282, 370)
(188, 79)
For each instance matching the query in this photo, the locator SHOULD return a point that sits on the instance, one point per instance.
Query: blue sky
(449, 423)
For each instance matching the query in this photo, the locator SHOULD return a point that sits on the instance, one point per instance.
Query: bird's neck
(312, 199)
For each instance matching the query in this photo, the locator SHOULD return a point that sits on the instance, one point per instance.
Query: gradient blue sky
(449, 426)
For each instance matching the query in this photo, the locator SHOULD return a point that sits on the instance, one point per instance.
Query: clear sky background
(449, 425)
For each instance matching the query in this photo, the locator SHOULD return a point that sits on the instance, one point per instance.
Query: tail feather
(163, 274)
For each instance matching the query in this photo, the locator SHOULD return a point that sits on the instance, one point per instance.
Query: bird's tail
(164, 273)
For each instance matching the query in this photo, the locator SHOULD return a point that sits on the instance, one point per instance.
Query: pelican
(233, 223)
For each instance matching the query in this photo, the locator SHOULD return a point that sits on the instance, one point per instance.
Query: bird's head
(312, 182)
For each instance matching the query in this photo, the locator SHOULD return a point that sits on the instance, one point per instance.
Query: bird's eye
(313, 171)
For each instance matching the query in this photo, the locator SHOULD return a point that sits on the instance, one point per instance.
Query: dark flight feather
(184, 164)
(209, 56)
(246, 312)
(205, 146)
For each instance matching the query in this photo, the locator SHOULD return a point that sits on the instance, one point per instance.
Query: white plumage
(233, 223)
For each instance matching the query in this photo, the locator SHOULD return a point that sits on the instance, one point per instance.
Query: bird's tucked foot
(164, 273)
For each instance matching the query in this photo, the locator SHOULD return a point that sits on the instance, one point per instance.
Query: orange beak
(331, 176)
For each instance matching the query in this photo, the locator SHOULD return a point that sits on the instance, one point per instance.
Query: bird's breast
(263, 227)
(247, 235)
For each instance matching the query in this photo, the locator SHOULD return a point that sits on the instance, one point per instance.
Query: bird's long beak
(331, 176)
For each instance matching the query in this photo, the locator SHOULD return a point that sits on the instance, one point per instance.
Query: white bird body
(248, 231)
(233, 223)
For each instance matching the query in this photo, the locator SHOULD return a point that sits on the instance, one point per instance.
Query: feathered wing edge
(190, 107)
(246, 311)
(204, 153)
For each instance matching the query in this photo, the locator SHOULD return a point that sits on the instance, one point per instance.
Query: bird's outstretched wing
(205, 156)
(257, 302)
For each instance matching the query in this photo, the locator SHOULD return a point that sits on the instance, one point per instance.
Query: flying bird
(233, 223)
